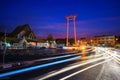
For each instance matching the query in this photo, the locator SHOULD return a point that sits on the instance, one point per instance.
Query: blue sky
(94, 17)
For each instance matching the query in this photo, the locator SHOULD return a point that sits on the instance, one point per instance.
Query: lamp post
(4, 50)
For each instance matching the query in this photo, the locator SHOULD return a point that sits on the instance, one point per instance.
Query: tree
(50, 38)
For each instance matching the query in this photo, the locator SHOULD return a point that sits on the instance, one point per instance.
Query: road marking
(38, 67)
(73, 74)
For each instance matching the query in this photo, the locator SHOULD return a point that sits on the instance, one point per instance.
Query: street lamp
(91, 41)
(116, 40)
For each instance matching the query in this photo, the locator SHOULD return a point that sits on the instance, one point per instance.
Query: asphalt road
(99, 66)
(105, 67)
(81, 72)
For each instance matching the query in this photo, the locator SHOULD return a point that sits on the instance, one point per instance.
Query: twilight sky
(94, 17)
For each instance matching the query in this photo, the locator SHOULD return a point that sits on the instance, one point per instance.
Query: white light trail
(71, 67)
(114, 55)
(57, 57)
(73, 74)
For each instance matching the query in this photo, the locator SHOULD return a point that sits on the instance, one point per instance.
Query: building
(104, 40)
(23, 31)
(42, 43)
(21, 35)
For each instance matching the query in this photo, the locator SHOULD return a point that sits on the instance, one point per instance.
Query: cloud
(82, 22)
(112, 18)
(84, 27)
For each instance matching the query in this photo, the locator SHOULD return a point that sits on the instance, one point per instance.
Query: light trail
(114, 56)
(73, 74)
(71, 67)
(51, 58)
(37, 67)
(118, 56)
(57, 57)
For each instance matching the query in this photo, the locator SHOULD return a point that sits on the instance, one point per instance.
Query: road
(103, 65)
